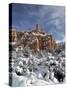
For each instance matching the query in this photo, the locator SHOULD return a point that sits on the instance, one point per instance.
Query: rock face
(12, 35)
(36, 39)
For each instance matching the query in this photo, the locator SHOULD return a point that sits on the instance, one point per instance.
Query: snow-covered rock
(36, 69)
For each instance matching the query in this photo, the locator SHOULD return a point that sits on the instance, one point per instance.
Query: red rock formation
(36, 39)
(12, 35)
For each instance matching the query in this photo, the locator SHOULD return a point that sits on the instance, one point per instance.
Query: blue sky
(50, 18)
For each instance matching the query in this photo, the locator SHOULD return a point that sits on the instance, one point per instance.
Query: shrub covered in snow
(43, 65)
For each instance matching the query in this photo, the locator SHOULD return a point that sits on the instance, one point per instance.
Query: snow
(30, 69)
(60, 41)
(13, 43)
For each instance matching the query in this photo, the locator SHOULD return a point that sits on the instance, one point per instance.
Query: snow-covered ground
(41, 68)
